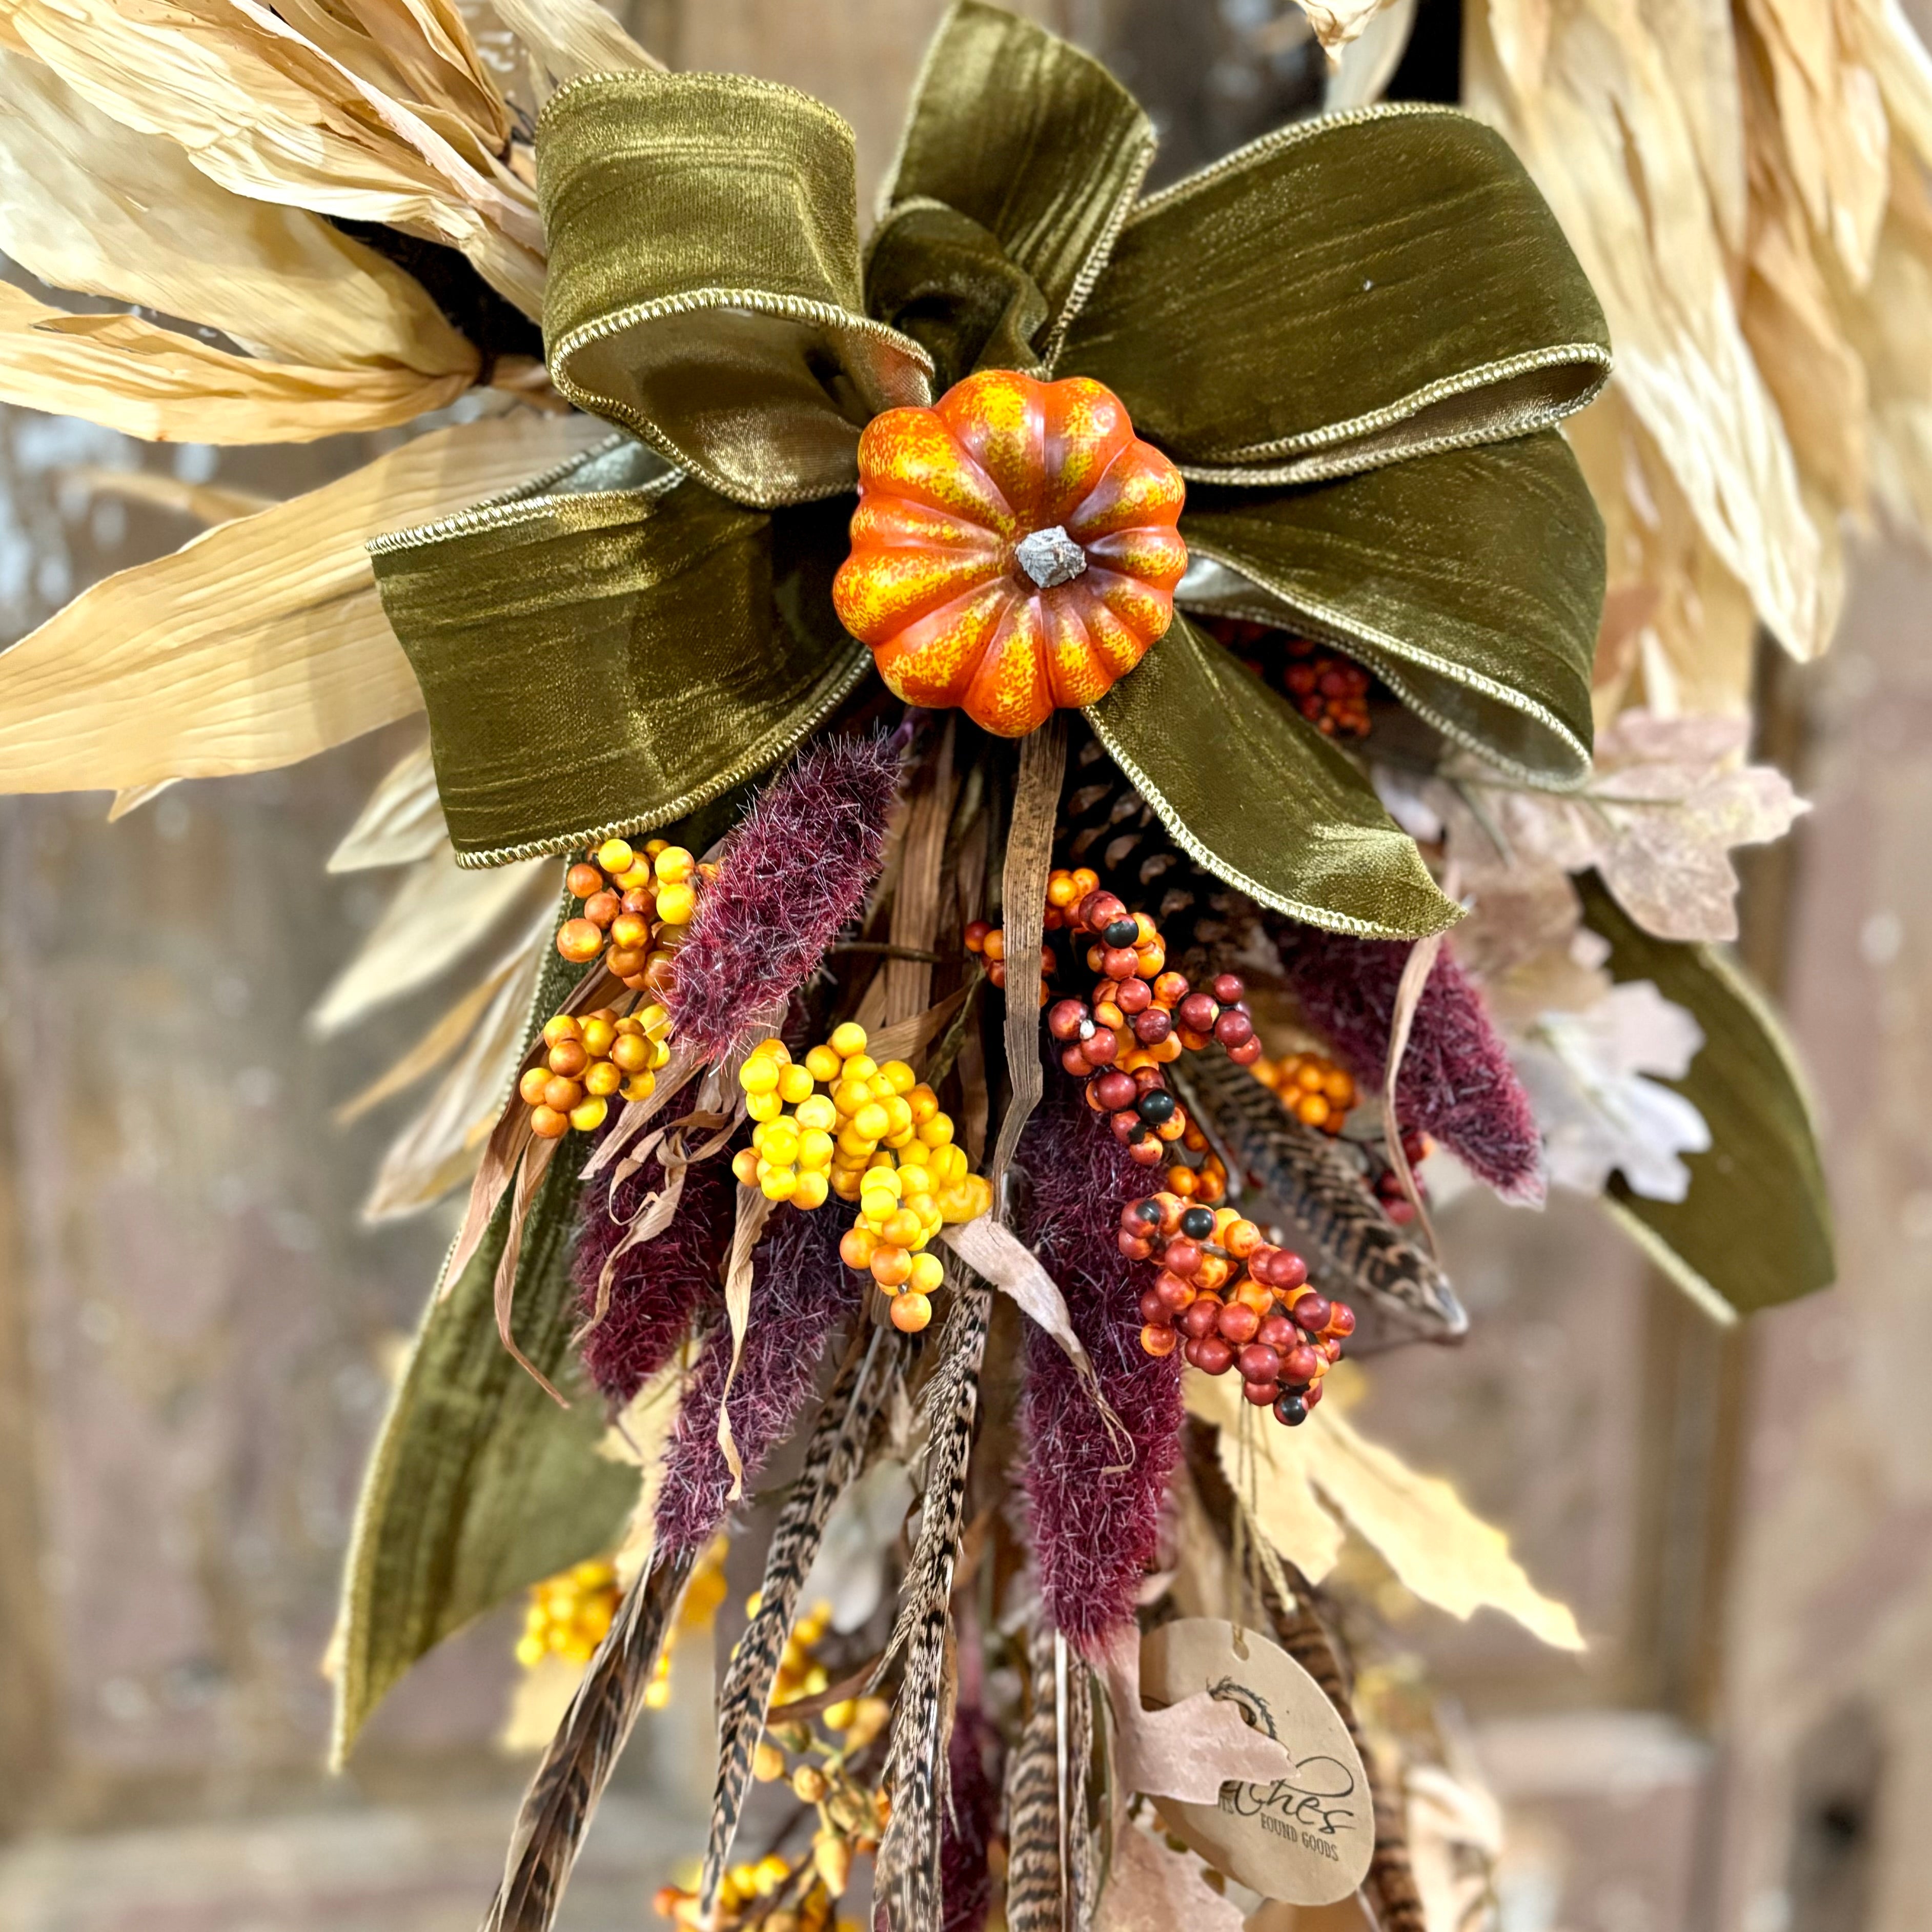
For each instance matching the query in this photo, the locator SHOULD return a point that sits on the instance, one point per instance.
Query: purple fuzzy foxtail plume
(1096, 1525)
(1455, 1083)
(801, 1291)
(797, 867)
(657, 1287)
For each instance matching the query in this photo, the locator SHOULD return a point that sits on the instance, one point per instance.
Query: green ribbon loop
(1034, 141)
(704, 289)
(598, 661)
(1471, 581)
(1340, 294)
(937, 276)
(1259, 796)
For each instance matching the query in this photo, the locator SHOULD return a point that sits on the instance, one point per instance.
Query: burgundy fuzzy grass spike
(1455, 1082)
(801, 1291)
(966, 1882)
(1096, 1525)
(797, 867)
(658, 1285)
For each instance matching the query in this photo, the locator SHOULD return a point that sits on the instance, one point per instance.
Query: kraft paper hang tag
(1307, 1837)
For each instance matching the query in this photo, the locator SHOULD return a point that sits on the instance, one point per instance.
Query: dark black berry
(1121, 932)
(1198, 1223)
(1292, 1410)
(1155, 1105)
(1148, 1211)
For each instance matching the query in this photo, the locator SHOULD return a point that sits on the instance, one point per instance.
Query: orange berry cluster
(1317, 1092)
(637, 901)
(1330, 691)
(1229, 1299)
(588, 1062)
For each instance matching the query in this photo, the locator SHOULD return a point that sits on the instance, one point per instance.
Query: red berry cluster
(1228, 1299)
(1329, 690)
(1117, 1040)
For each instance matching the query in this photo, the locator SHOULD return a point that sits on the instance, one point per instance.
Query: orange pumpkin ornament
(1014, 548)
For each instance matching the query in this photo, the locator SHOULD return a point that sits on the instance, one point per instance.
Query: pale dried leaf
(402, 821)
(1698, 41)
(261, 110)
(1278, 1497)
(439, 1149)
(1439, 1548)
(1150, 1888)
(162, 386)
(79, 196)
(437, 913)
(452, 1030)
(259, 643)
(995, 1254)
(567, 37)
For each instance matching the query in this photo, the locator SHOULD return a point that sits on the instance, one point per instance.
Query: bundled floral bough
(965, 1089)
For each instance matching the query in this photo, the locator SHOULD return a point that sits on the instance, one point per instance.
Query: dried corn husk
(261, 642)
(152, 382)
(262, 109)
(87, 204)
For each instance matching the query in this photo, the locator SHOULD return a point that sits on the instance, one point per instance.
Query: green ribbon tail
(480, 1485)
(1259, 797)
(1755, 1229)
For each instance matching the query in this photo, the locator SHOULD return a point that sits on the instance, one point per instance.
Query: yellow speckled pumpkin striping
(1014, 549)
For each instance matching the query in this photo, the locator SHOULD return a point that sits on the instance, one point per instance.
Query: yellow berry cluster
(589, 1061)
(637, 901)
(837, 1122)
(568, 1615)
(1317, 1092)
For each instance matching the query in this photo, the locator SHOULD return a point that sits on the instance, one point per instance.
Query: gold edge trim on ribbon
(797, 308)
(513, 507)
(833, 691)
(749, 83)
(1102, 252)
(1378, 645)
(1236, 465)
(1292, 136)
(1203, 856)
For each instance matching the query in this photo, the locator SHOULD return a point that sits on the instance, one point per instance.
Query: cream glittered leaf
(567, 37)
(401, 821)
(261, 642)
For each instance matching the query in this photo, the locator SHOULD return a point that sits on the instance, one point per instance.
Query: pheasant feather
(908, 1878)
(1033, 1799)
(557, 1808)
(832, 1458)
(1354, 1249)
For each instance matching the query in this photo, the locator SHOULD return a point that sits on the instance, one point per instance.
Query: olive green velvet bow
(1353, 337)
